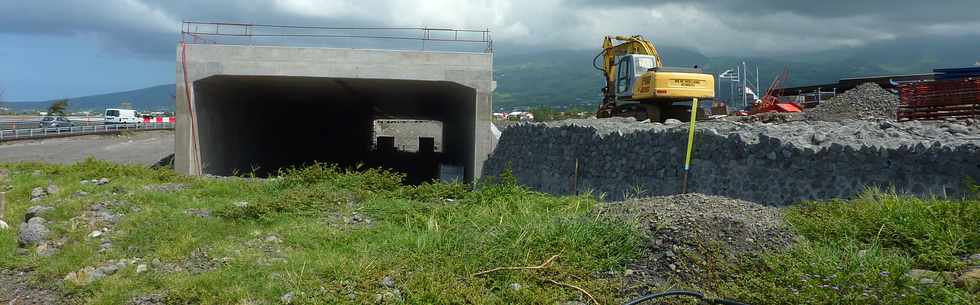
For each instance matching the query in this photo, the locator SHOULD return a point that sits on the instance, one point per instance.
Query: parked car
(122, 116)
(55, 122)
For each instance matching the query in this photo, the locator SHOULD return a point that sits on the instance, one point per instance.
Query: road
(145, 148)
(31, 121)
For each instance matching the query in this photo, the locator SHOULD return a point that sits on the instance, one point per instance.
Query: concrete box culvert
(254, 114)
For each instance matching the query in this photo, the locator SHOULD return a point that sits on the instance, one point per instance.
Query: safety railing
(52, 132)
(266, 34)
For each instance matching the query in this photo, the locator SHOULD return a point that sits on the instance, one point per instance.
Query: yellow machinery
(638, 85)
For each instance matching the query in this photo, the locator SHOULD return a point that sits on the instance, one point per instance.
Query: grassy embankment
(294, 234)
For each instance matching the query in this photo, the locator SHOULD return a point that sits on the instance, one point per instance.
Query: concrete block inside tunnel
(262, 124)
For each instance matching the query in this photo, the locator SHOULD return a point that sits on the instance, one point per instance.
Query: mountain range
(156, 98)
(565, 77)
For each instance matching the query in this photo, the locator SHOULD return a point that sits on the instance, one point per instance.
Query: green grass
(429, 238)
(857, 251)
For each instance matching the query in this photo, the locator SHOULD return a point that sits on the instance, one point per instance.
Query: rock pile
(88, 275)
(33, 232)
(149, 299)
(967, 278)
(101, 219)
(683, 229)
(102, 181)
(866, 101)
(766, 163)
(166, 187)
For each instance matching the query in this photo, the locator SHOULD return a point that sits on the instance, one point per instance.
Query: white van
(122, 116)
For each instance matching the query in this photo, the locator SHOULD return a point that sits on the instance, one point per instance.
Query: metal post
(731, 92)
(575, 179)
(690, 144)
(738, 69)
(745, 97)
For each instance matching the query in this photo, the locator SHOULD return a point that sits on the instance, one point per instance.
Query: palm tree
(58, 107)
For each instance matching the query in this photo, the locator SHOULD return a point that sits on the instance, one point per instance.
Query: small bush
(371, 180)
(317, 189)
(430, 191)
(296, 201)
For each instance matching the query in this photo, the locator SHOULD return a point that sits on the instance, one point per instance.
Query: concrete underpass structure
(262, 108)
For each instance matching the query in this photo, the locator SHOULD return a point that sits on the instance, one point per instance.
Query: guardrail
(40, 133)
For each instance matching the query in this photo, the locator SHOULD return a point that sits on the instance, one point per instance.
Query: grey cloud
(904, 10)
(150, 27)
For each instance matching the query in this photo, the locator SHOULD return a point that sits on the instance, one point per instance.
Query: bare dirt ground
(16, 289)
(145, 147)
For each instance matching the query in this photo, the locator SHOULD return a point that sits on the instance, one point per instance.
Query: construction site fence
(936, 100)
(54, 132)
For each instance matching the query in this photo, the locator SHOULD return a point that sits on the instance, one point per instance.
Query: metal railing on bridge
(425, 38)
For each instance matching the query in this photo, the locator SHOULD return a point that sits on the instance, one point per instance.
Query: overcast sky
(51, 49)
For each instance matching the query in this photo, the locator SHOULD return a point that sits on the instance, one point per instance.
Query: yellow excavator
(638, 85)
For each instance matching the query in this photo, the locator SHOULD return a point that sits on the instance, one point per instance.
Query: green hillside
(566, 78)
(156, 98)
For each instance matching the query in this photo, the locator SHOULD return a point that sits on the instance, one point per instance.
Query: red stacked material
(959, 98)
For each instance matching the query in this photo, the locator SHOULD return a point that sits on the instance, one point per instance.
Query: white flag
(749, 91)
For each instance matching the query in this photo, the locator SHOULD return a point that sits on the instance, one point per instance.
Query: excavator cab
(628, 69)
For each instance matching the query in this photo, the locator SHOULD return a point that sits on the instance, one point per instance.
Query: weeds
(430, 238)
(933, 232)
(858, 251)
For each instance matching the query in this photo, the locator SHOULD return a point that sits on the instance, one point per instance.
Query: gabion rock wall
(770, 164)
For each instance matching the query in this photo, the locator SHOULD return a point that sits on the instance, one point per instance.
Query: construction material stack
(954, 94)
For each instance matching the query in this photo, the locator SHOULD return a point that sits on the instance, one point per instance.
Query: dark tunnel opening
(250, 124)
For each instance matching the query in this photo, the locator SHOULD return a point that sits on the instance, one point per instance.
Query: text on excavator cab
(687, 83)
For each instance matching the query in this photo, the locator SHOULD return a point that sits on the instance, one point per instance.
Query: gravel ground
(145, 147)
(683, 228)
(867, 101)
(879, 133)
(15, 288)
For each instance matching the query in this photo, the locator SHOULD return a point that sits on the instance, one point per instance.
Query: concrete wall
(256, 103)
(770, 164)
(406, 133)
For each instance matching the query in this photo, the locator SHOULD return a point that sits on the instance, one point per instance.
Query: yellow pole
(690, 143)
